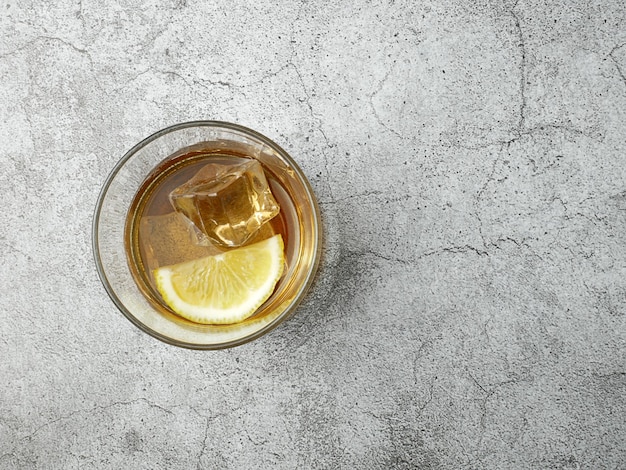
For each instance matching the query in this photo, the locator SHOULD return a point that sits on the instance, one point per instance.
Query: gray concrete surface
(469, 158)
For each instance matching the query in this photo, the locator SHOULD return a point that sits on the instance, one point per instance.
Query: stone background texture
(470, 163)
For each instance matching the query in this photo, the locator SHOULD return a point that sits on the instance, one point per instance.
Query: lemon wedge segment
(224, 288)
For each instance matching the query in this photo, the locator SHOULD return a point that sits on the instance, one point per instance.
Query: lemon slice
(224, 288)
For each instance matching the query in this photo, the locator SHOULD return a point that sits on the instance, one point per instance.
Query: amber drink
(157, 234)
(251, 191)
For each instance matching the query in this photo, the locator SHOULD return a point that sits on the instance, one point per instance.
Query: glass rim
(303, 289)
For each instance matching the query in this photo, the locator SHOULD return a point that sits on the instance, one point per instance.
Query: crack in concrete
(483, 406)
(478, 199)
(603, 298)
(518, 131)
(207, 422)
(385, 258)
(320, 128)
(488, 392)
(519, 244)
(45, 38)
(18, 49)
(479, 196)
(456, 249)
(528, 132)
(100, 408)
(191, 83)
(595, 219)
(94, 409)
(617, 66)
(310, 106)
(428, 401)
(32, 41)
(567, 129)
(551, 165)
(63, 41)
(374, 192)
(204, 441)
(200, 82)
(382, 82)
(289, 62)
(269, 75)
(375, 111)
(79, 13)
(523, 71)
(254, 443)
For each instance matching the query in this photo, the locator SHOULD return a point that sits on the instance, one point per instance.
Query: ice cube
(226, 204)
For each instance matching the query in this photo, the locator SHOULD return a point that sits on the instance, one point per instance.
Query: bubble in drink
(226, 204)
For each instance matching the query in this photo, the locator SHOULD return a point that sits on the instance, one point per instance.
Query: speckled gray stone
(470, 163)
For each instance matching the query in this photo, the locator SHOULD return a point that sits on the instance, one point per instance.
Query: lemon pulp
(224, 288)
